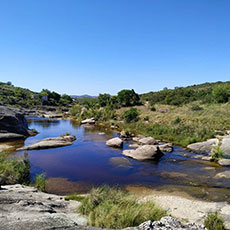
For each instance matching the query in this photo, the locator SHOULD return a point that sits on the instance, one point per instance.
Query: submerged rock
(51, 143)
(121, 162)
(145, 152)
(115, 142)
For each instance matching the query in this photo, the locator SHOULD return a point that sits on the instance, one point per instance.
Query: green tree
(128, 98)
(104, 99)
(65, 99)
(221, 93)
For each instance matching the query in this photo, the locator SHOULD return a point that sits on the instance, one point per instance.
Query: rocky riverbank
(26, 208)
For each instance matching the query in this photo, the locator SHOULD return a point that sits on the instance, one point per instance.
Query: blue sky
(97, 46)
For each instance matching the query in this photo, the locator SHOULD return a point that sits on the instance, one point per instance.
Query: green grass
(112, 208)
(14, 170)
(74, 196)
(214, 222)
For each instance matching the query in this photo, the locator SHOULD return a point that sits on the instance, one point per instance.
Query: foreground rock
(51, 143)
(207, 146)
(26, 208)
(90, 121)
(13, 124)
(169, 223)
(115, 142)
(145, 152)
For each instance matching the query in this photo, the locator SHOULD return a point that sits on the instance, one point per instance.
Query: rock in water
(168, 147)
(206, 146)
(51, 143)
(115, 142)
(147, 141)
(90, 121)
(224, 162)
(13, 124)
(145, 152)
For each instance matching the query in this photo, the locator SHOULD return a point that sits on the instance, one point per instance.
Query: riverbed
(89, 162)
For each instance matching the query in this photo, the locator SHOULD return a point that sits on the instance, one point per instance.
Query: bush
(75, 111)
(152, 108)
(40, 182)
(214, 222)
(130, 115)
(177, 121)
(15, 170)
(112, 208)
(217, 152)
(128, 98)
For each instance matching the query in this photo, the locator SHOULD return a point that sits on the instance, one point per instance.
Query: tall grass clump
(40, 182)
(112, 208)
(214, 222)
(217, 152)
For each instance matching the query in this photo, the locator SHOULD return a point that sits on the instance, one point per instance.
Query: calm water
(90, 162)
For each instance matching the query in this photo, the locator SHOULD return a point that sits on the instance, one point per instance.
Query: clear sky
(97, 46)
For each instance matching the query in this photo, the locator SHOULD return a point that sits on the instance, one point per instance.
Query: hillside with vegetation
(17, 96)
(181, 115)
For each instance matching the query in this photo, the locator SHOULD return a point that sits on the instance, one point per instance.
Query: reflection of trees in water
(75, 124)
(44, 123)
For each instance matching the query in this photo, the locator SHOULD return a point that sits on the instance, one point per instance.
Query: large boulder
(115, 142)
(51, 143)
(206, 146)
(13, 122)
(145, 152)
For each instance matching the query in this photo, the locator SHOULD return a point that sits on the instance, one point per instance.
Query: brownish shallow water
(89, 162)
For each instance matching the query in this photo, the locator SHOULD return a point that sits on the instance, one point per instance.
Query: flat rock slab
(23, 207)
(10, 136)
(50, 143)
(224, 162)
(90, 121)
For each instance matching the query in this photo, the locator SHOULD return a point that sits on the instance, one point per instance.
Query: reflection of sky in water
(89, 160)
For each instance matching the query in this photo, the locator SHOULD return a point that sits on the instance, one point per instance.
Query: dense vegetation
(11, 95)
(112, 208)
(218, 92)
(214, 222)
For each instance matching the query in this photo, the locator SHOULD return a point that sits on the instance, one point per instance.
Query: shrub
(217, 152)
(128, 98)
(65, 134)
(177, 121)
(112, 208)
(40, 182)
(214, 222)
(15, 170)
(152, 108)
(130, 115)
(75, 111)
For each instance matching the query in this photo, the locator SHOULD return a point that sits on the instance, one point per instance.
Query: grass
(112, 208)
(40, 182)
(74, 196)
(14, 170)
(217, 152)
(214, 222)
(181, 125)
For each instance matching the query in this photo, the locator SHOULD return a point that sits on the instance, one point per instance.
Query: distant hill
(82, 96)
